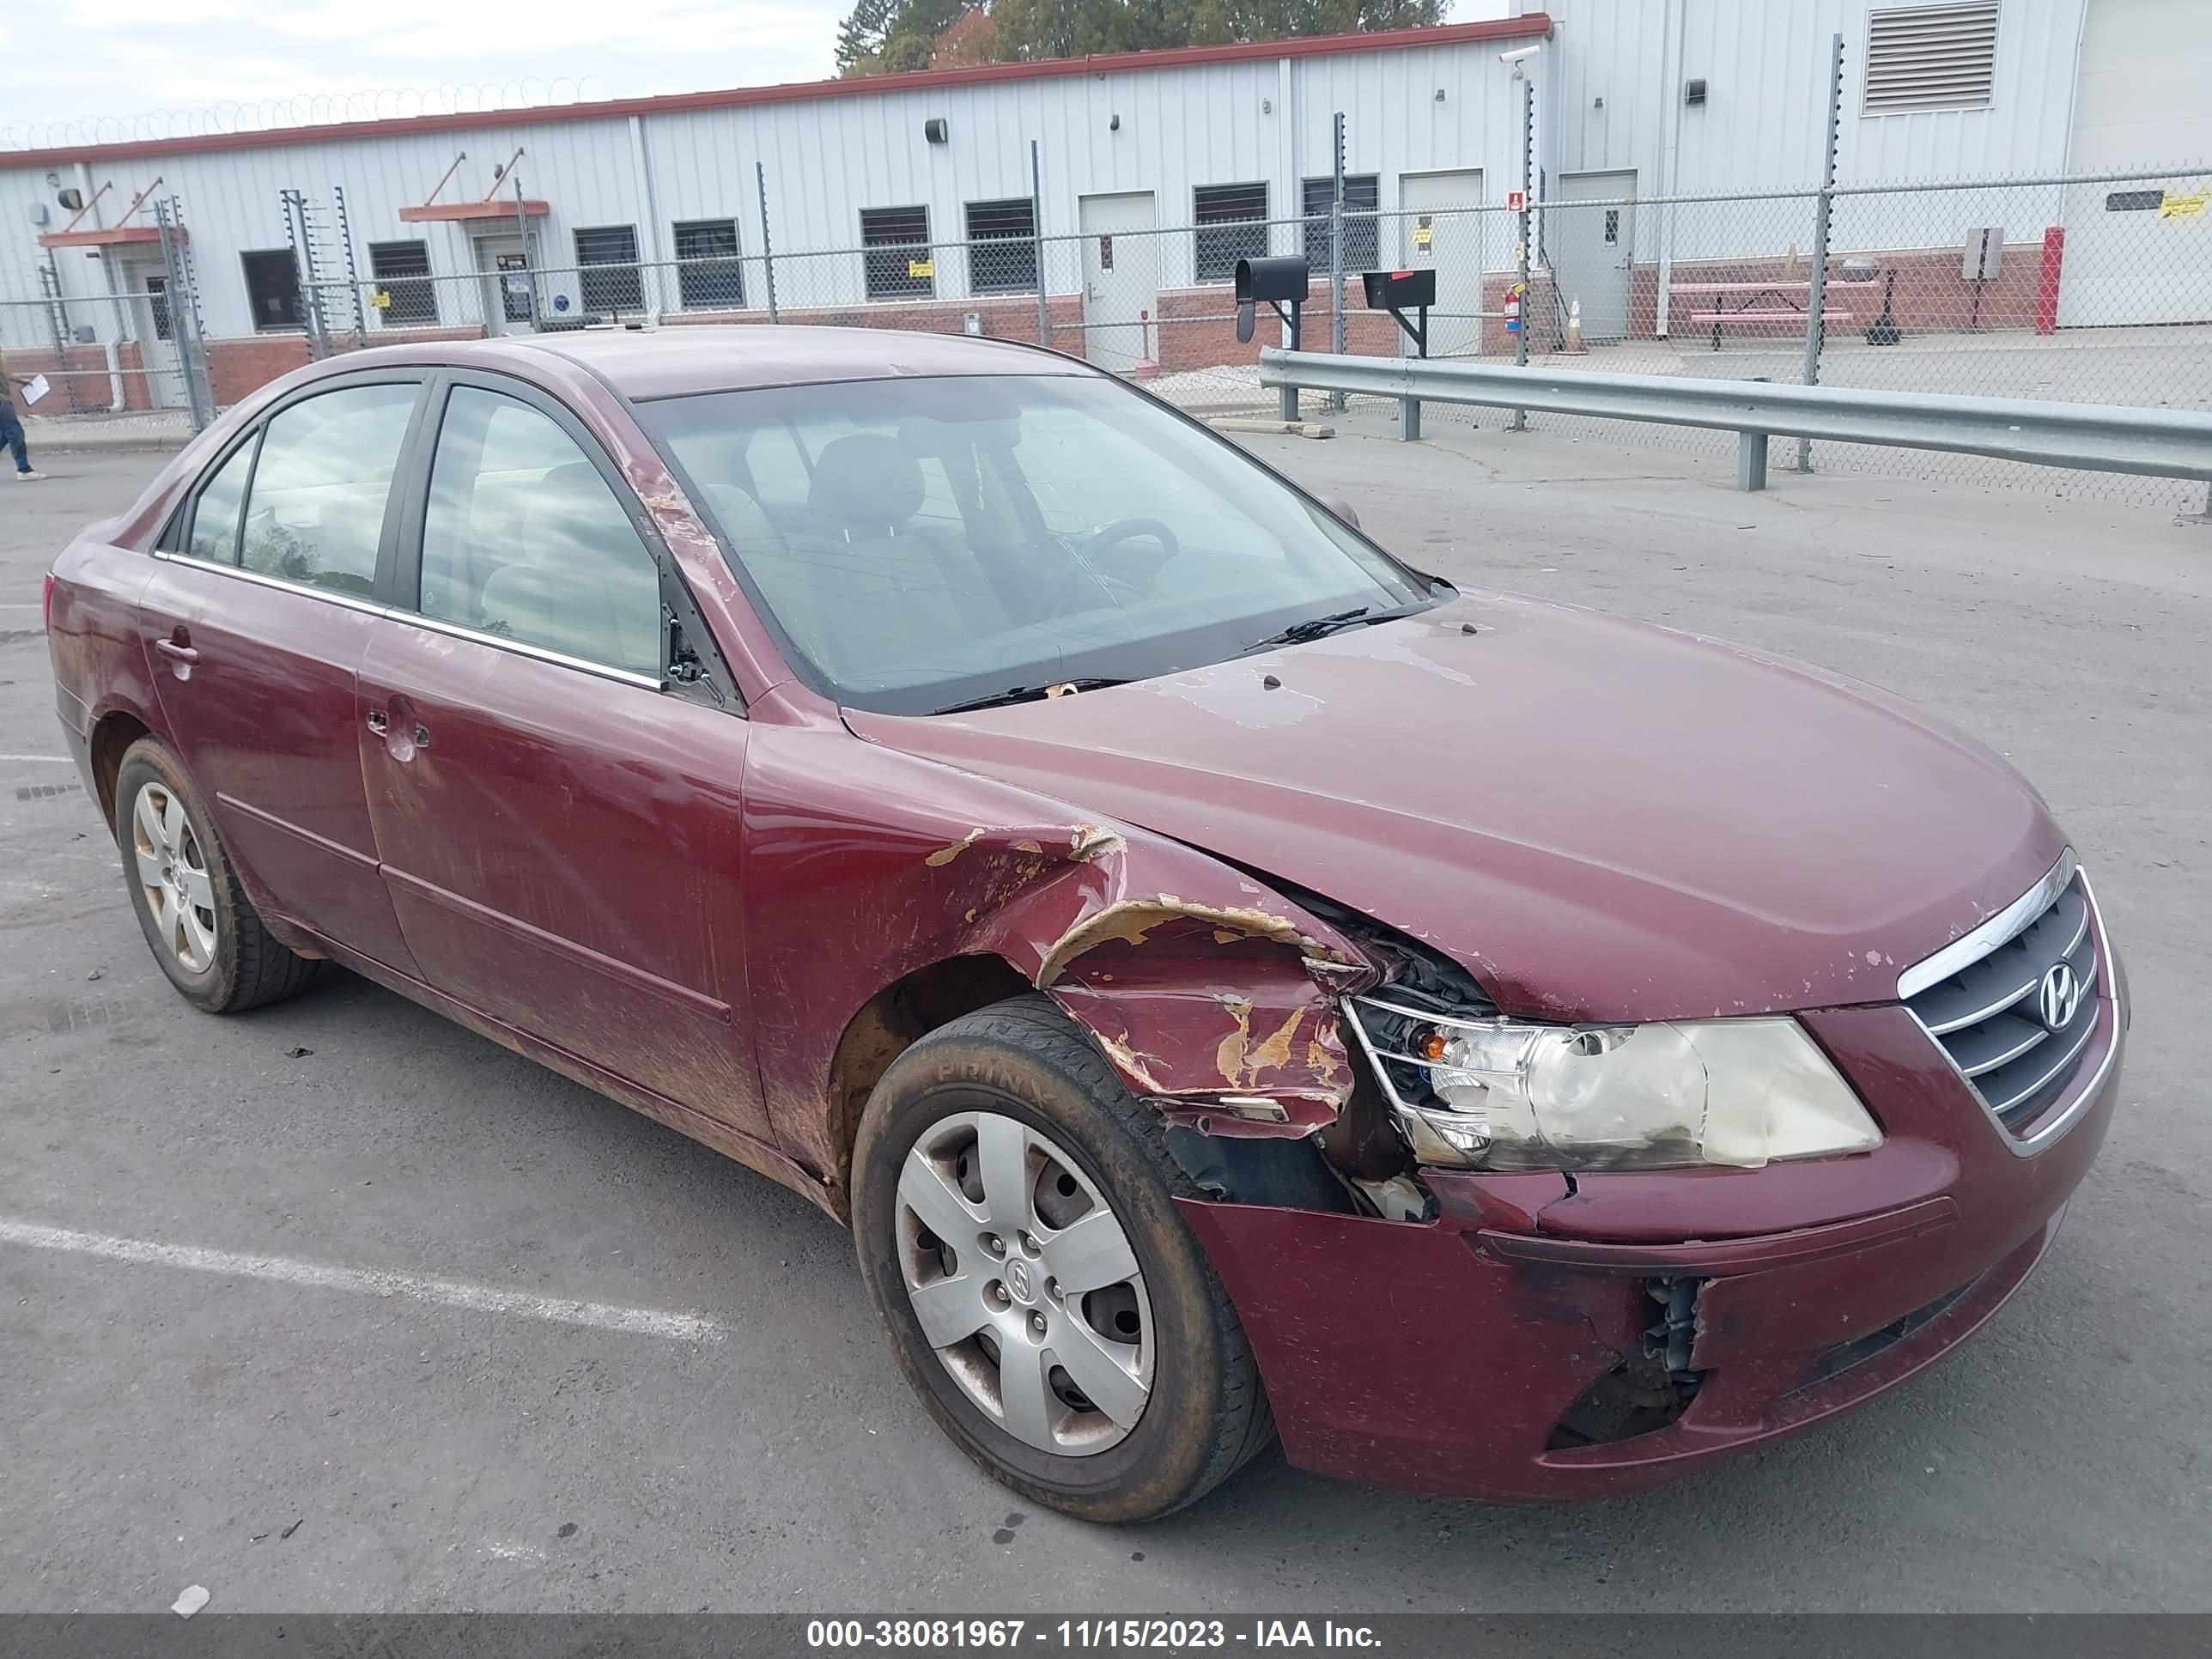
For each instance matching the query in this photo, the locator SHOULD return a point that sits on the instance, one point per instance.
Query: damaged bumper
(1544, 1339)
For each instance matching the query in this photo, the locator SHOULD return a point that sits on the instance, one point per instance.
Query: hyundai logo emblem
(2058, 997)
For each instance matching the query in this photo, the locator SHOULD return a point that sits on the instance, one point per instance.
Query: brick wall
(80, 381)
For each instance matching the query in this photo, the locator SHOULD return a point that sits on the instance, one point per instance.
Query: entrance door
(1593, 250)
(1120, 279)
(1432, 234)
(2136, 251)
(152, 327)
(510, 301)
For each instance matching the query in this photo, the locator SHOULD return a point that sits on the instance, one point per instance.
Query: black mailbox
(1401, 290)
(1275, 281)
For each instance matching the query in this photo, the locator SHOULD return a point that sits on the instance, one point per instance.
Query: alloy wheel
(1024, 1283)
(173, 870)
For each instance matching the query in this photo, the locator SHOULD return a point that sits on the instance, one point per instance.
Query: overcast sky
(89, 59)
(114, 60)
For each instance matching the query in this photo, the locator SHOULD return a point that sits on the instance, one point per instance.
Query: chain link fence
(2089, 289)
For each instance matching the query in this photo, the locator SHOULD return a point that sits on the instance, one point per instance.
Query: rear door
(556, 811)
(261, 605)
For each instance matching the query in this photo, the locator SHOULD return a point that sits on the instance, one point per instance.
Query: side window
(523, 539)
(317, 511)
(215, 515)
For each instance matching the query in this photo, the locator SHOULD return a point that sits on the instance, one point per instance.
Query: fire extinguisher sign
(1515, 200)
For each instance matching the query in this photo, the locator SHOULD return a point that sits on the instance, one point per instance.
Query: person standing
(11, 428)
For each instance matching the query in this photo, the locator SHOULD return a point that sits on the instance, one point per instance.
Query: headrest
(867, 482)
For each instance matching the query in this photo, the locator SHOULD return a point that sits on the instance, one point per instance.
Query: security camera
(1518, 53)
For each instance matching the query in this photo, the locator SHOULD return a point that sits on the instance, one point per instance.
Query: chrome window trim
(523, 648)
(2108, 991)
(282, 584)
(416, 618)
(2007, 925)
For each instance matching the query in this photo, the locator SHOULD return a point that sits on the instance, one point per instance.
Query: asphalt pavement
(334, 1306)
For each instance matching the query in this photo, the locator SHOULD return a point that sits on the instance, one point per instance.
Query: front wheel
(1013, 1212)
(201, 926)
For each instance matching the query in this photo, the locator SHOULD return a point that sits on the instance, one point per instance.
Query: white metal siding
(1765, 64)
(2141, 99)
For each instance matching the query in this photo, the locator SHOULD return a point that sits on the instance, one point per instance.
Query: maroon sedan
(1233, 983)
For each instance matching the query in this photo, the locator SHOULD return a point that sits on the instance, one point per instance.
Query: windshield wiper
(1027, 694)
(1314, 627)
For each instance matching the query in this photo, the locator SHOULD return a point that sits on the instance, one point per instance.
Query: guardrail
(2165, 443)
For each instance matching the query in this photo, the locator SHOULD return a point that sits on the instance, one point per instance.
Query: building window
(157, 303)
(272, 290)
(898, 262)
(1362, 196)
(708, 276)
(402, 270)
(1002, 246)
(608, 278)
(1931, 57)
(1231, 226)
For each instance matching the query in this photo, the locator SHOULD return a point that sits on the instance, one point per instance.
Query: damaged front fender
(1215, 998)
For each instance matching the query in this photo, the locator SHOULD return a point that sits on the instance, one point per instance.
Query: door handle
(172, 648)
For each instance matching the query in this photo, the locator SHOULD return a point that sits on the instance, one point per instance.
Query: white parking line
(416, 1287)
(51, 760)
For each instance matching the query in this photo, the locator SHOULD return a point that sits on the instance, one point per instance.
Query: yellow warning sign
(2184, 207)
(380, 300)
(921, 267)
(1425, 234)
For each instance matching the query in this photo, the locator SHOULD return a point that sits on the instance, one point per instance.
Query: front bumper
(1445, 1357)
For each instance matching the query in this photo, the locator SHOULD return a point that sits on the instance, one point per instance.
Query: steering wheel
(1122, 530)
(1117, 587)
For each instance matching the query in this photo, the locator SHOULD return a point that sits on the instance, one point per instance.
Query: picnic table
(1775, 301)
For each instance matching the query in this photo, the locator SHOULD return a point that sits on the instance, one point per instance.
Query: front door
(1593, 250)
(1121, 280)
(258, 613)
(559, 834)
(510, 295)
(1439, 229)
(146, 286)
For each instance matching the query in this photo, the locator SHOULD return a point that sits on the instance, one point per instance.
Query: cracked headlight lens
(1736, 1092)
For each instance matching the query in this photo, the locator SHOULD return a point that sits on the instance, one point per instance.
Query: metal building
(913, 197)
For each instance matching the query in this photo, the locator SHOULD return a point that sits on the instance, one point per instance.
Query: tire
(217, 953)
(1087, 1143)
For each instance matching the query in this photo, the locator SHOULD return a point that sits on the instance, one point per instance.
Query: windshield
(925, 543)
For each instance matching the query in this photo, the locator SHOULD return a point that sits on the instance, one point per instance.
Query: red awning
(113, 236)
(472, 212)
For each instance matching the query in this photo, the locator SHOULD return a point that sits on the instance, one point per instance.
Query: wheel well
(114, 734)
(889, 1024)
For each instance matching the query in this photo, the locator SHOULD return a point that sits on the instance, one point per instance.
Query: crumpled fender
(1211, 994)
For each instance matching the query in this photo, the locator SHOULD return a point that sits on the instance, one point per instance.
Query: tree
(883, 36)
(861, 37)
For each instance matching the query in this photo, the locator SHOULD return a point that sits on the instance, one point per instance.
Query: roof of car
(670, 362)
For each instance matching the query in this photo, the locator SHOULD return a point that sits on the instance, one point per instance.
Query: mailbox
(1401, 290)
(1276, 282)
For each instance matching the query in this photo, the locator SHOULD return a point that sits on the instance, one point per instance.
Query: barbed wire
(306, 110)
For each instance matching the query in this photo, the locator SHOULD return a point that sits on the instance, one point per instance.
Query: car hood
(1601, 819)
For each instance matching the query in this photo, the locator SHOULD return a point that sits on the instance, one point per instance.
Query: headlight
(1502, 1094)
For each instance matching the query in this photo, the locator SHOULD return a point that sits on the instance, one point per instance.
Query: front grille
(2017, 1047)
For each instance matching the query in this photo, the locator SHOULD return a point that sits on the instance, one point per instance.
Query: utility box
(1984, 253)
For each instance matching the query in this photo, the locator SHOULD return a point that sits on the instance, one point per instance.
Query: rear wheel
(201, 926)
(1014, 1211)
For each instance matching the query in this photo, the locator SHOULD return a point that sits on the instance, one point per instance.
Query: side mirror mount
(1340, 509)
